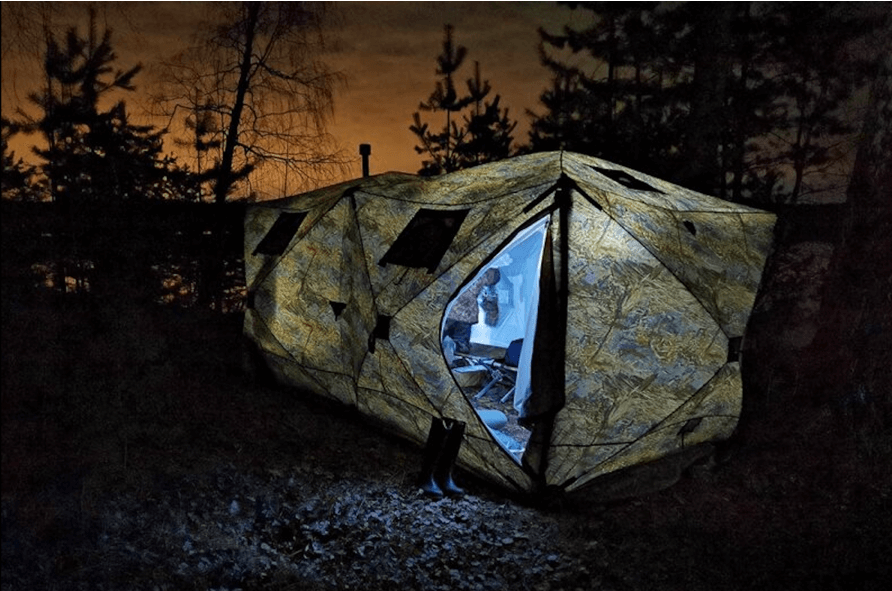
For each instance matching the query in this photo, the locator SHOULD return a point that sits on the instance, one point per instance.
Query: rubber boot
(433, 451)
(454, 433)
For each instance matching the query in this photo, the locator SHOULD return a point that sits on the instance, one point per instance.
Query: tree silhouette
(18, 180)
(738, 100)
(93, 157)
(618, 109)
(488, 127)
(202, 127)
(855, 307)
(256, 85)
(485, 133)
(441, 146)
(819, 72)
(77, 74)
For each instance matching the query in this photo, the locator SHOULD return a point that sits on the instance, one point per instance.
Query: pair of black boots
(440, 454)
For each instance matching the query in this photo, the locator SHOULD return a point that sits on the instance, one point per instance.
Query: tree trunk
(707, 119)
(857, 304)
(226, 177)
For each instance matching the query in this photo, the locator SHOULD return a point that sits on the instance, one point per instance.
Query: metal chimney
(365, 150)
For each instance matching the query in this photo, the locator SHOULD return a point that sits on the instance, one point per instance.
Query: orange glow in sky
(386, 50)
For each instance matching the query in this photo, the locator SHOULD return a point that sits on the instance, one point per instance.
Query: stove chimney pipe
(365, 151)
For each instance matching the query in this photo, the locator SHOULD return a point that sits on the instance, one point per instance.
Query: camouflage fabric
(653, 285)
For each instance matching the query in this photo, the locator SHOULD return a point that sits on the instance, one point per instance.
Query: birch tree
(258, 71)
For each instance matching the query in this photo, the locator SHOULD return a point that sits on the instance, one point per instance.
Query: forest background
(786, 107)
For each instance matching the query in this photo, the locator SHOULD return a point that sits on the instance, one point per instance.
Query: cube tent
(632, 297)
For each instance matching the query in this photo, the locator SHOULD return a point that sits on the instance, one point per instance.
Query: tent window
(690, 426)
(425, 240)
(690, 227)
(734, 345)
(337, 308)
(382, 328)
(279, 236)
(381, 331)
(626, 180)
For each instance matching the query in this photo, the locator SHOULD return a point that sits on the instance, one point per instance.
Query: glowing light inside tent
(495, 309)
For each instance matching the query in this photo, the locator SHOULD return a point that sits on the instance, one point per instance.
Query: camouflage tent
(632, 316)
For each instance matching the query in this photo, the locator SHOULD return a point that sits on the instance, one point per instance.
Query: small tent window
(734, 345)
(381, 331)
(626, 180)
(279, 236)
(425, 240)
(689, 226)
(382, 328)
(690, 426)
(337, 308)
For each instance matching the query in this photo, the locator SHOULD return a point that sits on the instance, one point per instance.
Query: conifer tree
(739, 100)
(608, 111)
(441, 147)
(95, 161)
(483, 135)
(90, 154)
(488, 126)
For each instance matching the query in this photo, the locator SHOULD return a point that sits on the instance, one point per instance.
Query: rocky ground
(137, 455)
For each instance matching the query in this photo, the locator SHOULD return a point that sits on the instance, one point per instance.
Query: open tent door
(488, 332)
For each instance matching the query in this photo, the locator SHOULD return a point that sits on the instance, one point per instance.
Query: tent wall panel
(716, 407)
(337, 386)
(256, 331)
(658, 279)
(643, 345)
(407, 419)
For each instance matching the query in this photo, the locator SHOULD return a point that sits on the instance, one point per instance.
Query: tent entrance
(488, 332)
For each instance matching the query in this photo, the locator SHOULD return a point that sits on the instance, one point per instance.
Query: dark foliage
(150, 251)
(483, 135)
(744, 101)
(18, 180)
(91, 154)
(137, 455)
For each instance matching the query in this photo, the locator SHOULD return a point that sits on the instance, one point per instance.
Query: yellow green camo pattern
(659, 282)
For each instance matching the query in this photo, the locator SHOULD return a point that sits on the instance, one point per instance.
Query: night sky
(386, 50)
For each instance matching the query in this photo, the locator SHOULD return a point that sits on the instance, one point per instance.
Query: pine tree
(96, 162)
(481, 136)
(441, 147)
(90, 154)
(612, 100)
(488, 127)
(739, 100)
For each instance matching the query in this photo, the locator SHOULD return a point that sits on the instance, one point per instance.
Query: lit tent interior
(579, 317)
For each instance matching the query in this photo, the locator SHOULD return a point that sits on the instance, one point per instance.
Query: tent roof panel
(657, 276)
